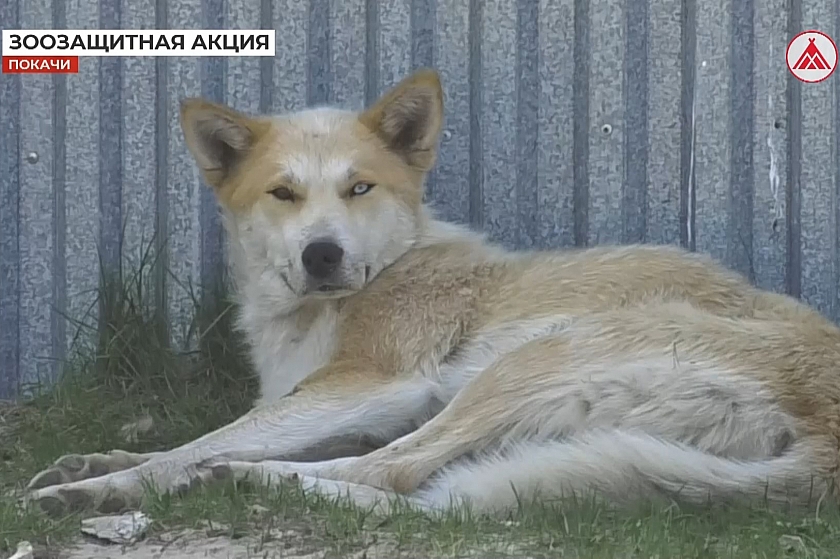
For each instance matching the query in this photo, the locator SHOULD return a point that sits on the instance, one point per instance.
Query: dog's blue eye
(361, 188)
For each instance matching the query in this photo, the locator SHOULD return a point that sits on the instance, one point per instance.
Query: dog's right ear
(218, 137)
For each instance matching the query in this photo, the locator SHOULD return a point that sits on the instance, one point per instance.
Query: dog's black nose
(321, 258)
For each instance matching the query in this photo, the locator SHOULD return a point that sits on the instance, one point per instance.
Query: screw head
(32, 157)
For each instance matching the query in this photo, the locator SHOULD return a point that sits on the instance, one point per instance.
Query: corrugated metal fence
(569, 122)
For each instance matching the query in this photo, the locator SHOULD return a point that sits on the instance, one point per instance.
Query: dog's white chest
(285, 354)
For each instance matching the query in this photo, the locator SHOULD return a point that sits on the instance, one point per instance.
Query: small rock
(121, 529)
(24, 551)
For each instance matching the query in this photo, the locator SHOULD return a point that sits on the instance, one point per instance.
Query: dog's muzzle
(322, 260)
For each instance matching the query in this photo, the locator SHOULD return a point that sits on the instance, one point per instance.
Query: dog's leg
(491, 407)
(272, 473)
(561, 386)
(338, 404)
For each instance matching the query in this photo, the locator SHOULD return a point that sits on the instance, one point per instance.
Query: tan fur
(451, 349)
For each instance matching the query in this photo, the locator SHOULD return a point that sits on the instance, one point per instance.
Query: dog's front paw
(118, 491)
(77, 467)
(59, 500)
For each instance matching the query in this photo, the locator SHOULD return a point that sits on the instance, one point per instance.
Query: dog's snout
(321, 258)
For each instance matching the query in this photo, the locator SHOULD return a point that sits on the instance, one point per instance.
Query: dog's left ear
(409, 117)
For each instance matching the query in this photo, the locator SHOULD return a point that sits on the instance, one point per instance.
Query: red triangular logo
(811, 59)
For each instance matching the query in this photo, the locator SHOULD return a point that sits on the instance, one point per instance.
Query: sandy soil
(194, 544)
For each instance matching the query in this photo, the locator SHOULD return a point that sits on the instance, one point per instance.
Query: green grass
(129, 371)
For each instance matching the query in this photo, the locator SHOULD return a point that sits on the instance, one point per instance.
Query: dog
(402, 357)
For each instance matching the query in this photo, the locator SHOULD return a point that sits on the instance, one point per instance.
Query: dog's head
(320, 201)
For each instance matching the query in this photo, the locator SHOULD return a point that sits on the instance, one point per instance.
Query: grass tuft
(124, 370)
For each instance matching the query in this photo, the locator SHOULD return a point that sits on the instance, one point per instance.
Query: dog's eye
(283, 193)
(361, 188)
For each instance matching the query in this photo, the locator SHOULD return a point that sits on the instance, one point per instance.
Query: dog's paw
(77, 467)
(59, 500)
(118, 491)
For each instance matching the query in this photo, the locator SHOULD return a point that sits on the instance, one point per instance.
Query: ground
(127, 375)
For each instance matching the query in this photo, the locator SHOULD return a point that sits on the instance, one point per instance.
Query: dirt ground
(193, 544)
(289, 544)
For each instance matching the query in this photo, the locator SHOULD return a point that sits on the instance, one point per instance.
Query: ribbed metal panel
(568, 123)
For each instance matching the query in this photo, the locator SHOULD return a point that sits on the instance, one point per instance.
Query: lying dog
(479, 375)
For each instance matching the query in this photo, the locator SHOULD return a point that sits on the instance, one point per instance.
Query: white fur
(485, 348)
(282, 353)
(381, 414)
(621, 466)
(715, 410)
(649, 427)
(625, 429)
(617, 465)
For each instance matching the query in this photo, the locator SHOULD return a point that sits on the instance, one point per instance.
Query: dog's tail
(620, 466)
